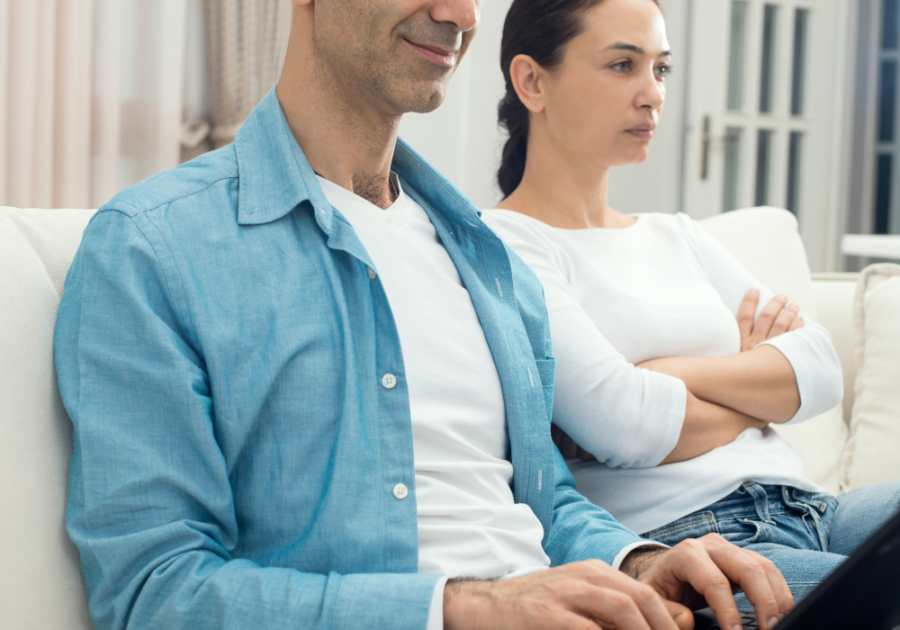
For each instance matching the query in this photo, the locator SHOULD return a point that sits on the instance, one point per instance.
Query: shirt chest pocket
(547, 374)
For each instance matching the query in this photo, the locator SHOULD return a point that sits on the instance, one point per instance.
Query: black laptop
(862, 594)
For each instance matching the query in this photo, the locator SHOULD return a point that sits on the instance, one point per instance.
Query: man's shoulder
(205, 176)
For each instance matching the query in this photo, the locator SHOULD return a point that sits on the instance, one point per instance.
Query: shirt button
(401, 491)
(372, 274)
(388, 381)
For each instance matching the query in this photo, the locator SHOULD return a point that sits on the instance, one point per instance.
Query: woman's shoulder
(678, 225)
(512, 220)
(533, 240)
(677, 221)
(516, 228)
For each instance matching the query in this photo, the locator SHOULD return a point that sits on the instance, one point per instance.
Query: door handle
(706, 142)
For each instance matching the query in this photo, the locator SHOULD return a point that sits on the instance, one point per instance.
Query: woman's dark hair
(540, 29)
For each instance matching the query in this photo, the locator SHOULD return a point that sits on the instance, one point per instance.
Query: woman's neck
(564, 190)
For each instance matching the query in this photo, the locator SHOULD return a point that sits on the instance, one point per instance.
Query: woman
(671, 359)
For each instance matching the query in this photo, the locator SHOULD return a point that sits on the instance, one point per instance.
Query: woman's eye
(664, 70)
(622, 66)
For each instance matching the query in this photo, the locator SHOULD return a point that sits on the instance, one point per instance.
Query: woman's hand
(776, 318)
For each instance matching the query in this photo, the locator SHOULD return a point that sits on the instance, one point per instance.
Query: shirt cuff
(816, 368)
(436, 610)
(620, 557)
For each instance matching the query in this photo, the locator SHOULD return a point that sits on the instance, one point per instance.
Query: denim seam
(706, 519)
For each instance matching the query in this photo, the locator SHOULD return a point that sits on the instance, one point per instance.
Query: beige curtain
(245, 42)
(90, 97)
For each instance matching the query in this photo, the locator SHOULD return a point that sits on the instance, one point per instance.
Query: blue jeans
(806, 535)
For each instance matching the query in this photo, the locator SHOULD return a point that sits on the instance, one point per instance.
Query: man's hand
(578, 596)
(776, 318)
(707, 571)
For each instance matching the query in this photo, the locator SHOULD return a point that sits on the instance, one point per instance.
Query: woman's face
(605, 99)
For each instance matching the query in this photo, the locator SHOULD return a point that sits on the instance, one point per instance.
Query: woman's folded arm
(624, 415)
(799, 381)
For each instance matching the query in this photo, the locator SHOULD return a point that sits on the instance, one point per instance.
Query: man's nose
(463, 14)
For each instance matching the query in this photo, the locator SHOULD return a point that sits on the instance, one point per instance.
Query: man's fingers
(681, 614)
(695, 566)
(746, 570)
(612, 608)
(784, 320)
(779, 586)
(651, 607)
(573, 621)
(747, 312)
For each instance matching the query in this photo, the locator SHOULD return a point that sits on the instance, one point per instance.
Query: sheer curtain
(91, 97)
(246, 41)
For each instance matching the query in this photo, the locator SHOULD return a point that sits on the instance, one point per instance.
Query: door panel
(764, 111)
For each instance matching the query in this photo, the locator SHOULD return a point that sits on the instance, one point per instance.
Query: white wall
(656, 185)
(462, 139)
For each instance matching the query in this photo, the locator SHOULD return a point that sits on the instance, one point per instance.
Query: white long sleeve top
(661, 287)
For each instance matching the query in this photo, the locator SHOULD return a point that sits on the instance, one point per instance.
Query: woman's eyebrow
(635, 49)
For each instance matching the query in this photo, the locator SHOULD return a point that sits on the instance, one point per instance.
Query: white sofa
(40, 580)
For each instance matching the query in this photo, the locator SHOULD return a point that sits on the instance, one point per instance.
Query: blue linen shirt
(220, 347)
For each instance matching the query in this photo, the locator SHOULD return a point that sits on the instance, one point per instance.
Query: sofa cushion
(872, 452)
(834, 294)
(40, 581)
(767, 242)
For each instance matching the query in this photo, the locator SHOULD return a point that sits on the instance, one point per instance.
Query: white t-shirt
(658, 288)
(469, 523)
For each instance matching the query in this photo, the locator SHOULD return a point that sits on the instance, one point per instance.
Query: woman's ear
(526, 76)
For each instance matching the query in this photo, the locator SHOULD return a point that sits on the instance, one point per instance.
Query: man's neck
(344, 137)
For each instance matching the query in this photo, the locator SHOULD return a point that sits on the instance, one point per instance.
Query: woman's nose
(652, 92)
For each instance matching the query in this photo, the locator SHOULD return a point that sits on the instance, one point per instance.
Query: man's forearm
(708, 426)
(760, 383)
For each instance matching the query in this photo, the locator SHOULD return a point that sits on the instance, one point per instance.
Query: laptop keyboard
(748, 619)
(705, 620)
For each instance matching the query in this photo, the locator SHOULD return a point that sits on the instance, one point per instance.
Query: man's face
(398, 53)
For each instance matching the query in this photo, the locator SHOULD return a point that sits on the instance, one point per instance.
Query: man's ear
(526, 76)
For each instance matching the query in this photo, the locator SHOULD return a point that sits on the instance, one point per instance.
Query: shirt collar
(275, 176)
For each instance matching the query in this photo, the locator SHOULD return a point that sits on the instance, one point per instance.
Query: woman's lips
(644, 133)
(434, 54)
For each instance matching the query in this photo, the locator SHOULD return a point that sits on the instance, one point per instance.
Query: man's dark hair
(540, 29)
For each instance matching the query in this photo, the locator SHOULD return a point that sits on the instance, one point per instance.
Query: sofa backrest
(40, 575)
(40, 579)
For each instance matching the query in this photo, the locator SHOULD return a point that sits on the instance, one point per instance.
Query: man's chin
(422, 99)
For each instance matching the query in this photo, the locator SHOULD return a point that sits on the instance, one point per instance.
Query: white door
(765, 113)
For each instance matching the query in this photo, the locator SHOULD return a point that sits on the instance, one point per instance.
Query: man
(253, 449)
